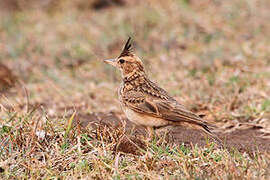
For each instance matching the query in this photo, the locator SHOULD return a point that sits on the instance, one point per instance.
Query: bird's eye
(121, 61)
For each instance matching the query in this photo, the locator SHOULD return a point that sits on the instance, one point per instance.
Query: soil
(247, 140)
(7, 79)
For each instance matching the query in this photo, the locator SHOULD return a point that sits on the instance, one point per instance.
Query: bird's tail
(206, 129)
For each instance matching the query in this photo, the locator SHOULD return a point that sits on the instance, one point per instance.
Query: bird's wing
(157, 107)
(166, 109)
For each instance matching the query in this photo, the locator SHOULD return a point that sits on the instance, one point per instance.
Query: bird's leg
(163, 133)
(151, 132)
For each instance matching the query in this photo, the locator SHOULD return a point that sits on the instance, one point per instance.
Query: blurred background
(212, 55)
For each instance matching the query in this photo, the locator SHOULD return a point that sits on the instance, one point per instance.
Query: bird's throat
(133, 75)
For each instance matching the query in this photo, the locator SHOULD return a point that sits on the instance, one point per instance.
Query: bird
(145, 103)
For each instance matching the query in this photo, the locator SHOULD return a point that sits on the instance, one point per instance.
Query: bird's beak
(111, 61)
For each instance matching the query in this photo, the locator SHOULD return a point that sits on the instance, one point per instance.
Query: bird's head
(128, 63)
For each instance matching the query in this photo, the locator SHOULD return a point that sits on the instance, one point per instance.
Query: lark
(145, 103)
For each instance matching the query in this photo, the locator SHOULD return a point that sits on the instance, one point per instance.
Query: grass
(64, 153)
(212, 56)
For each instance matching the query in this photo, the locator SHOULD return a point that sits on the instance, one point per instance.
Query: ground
(60, 116)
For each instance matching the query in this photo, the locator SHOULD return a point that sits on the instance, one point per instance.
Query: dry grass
(214, 57)
(33, 145)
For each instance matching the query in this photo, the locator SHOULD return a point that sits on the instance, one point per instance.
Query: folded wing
(157, 107)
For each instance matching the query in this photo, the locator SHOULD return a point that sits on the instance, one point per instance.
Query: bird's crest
(127, 49)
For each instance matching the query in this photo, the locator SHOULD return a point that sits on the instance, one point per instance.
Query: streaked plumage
(145, 103)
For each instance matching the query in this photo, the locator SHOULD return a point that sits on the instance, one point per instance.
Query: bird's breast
(144, 120)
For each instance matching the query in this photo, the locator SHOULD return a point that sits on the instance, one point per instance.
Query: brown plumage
(145, 103)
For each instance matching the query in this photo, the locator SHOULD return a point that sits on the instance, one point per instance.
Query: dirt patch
(100, 4)
(7, 79)
(102, 122)
(242, 140)
(247, 140)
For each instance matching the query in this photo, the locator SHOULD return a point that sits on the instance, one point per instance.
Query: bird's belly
(144, 120)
